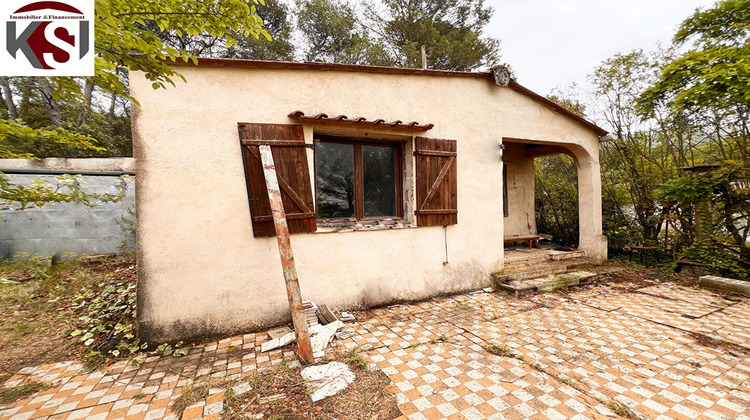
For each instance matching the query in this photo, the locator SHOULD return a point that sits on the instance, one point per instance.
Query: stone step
(567, 255)
(527, 271)
(545, 284)
(547, 264)
(530, 272)
(516, 260)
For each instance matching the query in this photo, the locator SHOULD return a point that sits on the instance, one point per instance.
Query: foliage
(556, 198)
(108, 320)
(724, 198)
(127, 224)
(8, 395)
(642, 155)
(121, 30)
(274, 45)
(667, 111)
(450, 31)
(716, 70)
(393, 32)
(17, 131)
(332, 33)
(67, 189)
(124, 41)
(276, 23)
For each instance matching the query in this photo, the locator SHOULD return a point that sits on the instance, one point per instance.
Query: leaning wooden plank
(287, 257)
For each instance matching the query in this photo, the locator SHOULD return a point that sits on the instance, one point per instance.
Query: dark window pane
(334, 166)
(379, 178)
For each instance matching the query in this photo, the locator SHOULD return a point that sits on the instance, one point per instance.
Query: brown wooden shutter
(436, 176)
(287, 143)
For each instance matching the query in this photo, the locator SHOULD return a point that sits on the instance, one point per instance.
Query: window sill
(360, 227)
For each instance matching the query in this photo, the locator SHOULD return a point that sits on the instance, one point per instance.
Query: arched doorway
(520, 215)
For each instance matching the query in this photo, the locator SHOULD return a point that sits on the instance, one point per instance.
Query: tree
(123, 41)
(393, 32)
(710, 80)
(707, 89)
(450, 31)
(634, 162)
(332, 33)
(276, 23)
(556, 197)
(206, 44)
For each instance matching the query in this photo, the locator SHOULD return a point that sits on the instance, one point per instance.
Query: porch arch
(520, 153)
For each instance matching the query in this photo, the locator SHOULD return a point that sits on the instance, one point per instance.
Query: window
(354, 179)
(358, 180)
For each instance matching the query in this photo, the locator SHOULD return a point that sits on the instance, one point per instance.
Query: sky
(551, 43)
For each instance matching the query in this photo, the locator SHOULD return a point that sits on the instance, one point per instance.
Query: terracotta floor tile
(638, 348)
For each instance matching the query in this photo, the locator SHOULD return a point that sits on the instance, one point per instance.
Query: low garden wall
(64, 229)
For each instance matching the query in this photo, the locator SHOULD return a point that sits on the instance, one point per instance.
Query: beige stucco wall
(521, 218)
(201, 271)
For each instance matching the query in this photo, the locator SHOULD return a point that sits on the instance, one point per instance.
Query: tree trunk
(88, 91)
(50, 104)
(8, 98)
(112, 104)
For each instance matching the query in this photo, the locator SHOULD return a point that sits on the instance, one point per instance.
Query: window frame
(357, 144)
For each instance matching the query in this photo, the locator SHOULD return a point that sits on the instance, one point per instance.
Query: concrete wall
(68, 227)
(201, 271)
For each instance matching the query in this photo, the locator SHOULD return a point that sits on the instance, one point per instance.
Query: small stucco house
(398, 184)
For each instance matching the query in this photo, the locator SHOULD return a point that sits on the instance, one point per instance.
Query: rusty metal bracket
(287, 257)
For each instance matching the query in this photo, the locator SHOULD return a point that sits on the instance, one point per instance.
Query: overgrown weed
(8, 395)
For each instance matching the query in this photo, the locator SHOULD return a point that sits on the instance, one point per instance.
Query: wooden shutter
(436, 176)
(287, 143)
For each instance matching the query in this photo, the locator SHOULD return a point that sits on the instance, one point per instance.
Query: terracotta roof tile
(343, 119)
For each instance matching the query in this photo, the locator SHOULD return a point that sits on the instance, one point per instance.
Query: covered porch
(521, 236)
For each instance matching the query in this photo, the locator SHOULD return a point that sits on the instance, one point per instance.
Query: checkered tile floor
(579, 355)
(118, 392)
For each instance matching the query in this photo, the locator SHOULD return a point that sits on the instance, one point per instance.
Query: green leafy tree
(710, 82)
(276, 22)
(556, 197)
(451, 32)
(635, 163)
(332, 33)
(123, 42)
(721, 201)
(708, 88)
(206, 44)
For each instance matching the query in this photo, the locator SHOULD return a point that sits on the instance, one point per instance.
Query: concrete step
(539, 269)
(545, 284)
(517, 259)
(532, 271)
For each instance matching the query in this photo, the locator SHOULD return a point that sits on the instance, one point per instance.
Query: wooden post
(287, 257)
(424, 58)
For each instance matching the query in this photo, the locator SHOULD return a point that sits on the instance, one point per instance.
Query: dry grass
(366, 398)
(9, 395)
(190, 395)
(36, 307)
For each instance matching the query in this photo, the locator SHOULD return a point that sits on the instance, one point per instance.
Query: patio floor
(651, 350)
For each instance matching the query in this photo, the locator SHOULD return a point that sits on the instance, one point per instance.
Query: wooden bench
(643, 251)
(530, 240)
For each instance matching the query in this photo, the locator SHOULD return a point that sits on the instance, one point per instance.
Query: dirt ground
(36, 308)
